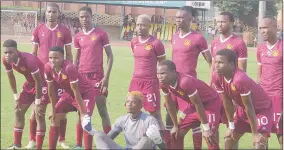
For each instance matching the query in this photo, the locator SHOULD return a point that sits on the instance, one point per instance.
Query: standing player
(147, 51)
(33, 70)
(66, 75)
(187, 45)
(254, 110)
(45, 36)
(228, 40)
(270, 73)
(196, 102)
(90, 43)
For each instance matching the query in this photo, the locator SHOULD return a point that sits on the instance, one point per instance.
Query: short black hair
(229, 14)
(190, 10)
(86, 8)
(271, 18)
(57, 49)
(170, 64)
(53, 5)
(10, 43)
(229, 54)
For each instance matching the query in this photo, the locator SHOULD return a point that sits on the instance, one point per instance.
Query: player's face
(85, 18)
(52, 14)
(133, 104)
(223, 23)
(267, 29)
(222, 66)
(164, 75)
(56, 59)
(183, 19)
(11, 54)
(142, 26)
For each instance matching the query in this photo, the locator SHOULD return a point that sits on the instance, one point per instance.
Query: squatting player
(270, 73)
(228, 40)
(187, 45)
(141, 131)
(33, 70)
(196, 103)
(90, 44)
(44, 37)
(79, 94)
(147, 51)
(254, 110)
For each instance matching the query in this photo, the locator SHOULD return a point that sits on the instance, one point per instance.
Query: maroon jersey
(91, 46)
(27, 65)
(68, 74)
(186, 50)
(187, 86)
(146, 54)
(271, 61)
(233, 42)
(47, 38)
(241, 85)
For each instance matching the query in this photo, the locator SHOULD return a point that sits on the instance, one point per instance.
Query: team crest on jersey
(93, 37)
(275, 53)
(148, 47)
(64, 76)
(59, 34)
(23, 68)
(233, 87)
(229, 46)
(180, 92)
(187, 42)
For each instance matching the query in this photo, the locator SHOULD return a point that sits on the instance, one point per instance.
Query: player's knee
(228, 139)
(260, 145)
(280, 139)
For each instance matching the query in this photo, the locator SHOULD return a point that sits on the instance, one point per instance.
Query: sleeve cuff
(68, 44)
(74, 81)
(9, 70)
(195, 92)
(106, 45)
(242, 58)
(220, 91)
(49, 81)
(161, 56)
(246, 94)
(204, 50)
(35, 72)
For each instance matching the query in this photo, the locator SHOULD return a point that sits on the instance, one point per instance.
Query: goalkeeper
(141, 131)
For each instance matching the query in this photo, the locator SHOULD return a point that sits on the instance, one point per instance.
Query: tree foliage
(247, 11)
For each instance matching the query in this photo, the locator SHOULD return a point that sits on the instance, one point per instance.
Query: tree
(246, 11)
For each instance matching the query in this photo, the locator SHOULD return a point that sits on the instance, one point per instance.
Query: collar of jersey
(175, 86)
(52, 28)
(88, 31)
(183, 36)
(226, 39)
(144, 40)
(228, 81)
(271, 47)
(18, 61)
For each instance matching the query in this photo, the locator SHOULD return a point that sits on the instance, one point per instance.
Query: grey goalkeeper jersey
(133, 129)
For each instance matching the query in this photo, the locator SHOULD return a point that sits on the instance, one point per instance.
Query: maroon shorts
(277, 102)
(264, 121)
(192, 120)
(27, 96)
(68, 104)
(150, 89)
(95, 79)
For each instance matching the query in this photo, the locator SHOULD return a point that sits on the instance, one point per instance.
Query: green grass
(119, 81)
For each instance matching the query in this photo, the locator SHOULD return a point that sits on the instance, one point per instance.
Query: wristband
(16, 97)
(37, 101)
(206, 127)
(231, 125)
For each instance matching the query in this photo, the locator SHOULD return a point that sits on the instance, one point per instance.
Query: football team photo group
(164, 99)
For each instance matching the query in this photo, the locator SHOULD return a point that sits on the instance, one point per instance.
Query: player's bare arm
(211, 72)
(242, 63)
(69, 55)
(52, 98)
(38, 86)
(229, 107)
(258, 73)
(77, 57)
(78, 97)
(35, 49)
(105, 80)
(12, 81)
(161, 58)
(207, 56)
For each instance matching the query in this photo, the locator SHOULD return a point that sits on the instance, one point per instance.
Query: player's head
(85, 16)
(268, 28)
(225, 21)
(134, 102)
(52, 12)
(166, 72)
(225, 62)
(56, 57)
(143, 25)
(10, 51)
(184, 16)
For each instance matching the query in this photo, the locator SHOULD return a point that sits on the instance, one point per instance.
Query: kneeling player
(254, 111)
(196, 101)
(33, 70)
(79, 94)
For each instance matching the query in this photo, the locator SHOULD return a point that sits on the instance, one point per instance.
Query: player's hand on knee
(104, 85)
(17, 107)
(39, 111)
(259, 140)
(153, 133)
(175, 132)
(209, 137)
(52, 117)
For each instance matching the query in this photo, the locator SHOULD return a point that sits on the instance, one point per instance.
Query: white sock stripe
(40, 133)
(18, 130)
(195, 132)
(196, 129)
